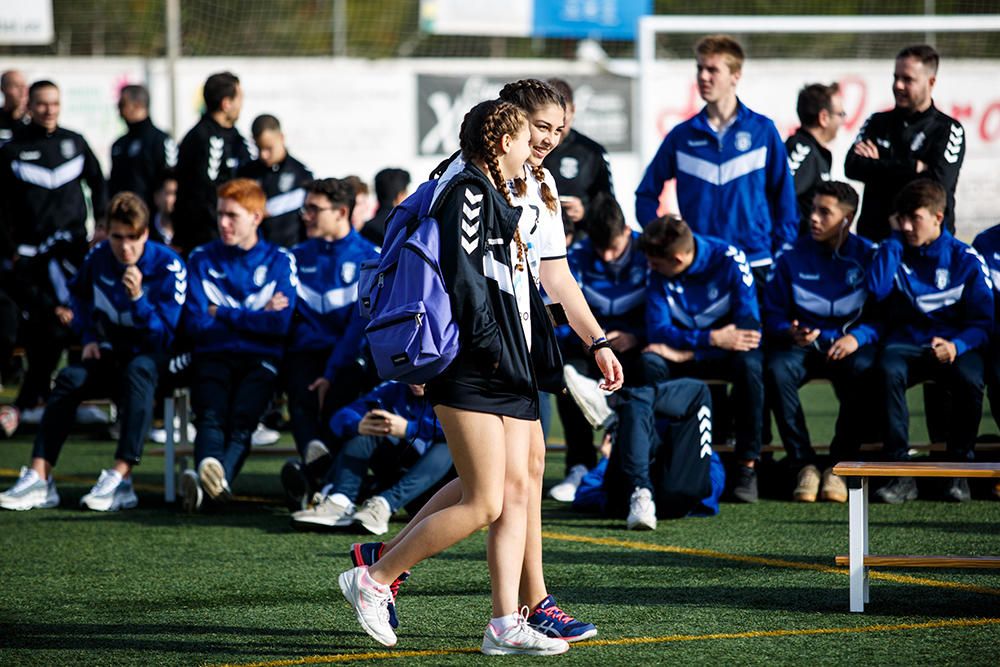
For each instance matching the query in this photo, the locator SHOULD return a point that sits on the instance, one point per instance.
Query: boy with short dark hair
(127, 300)
(939, 314)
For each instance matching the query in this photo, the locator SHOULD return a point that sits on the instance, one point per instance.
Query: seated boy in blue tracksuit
(702, 320)
(391, 430)
(327, 322)
(939, 315)
(987, 243)
(813, 318)
(127, 299)
(240, 302)
(611, 271)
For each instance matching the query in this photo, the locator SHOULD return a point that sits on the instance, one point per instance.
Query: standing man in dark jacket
(209, 155)
(13, 114)
(42, 173)
(283, 179)
(140, 157)
(913, 140)
(579, 164)
(821, 112)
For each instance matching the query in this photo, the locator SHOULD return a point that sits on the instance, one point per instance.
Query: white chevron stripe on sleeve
(286, 202)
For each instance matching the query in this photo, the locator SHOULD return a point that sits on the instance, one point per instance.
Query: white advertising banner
(669, 95)
(26, 22)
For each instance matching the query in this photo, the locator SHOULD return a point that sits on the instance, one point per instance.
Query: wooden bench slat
(977, 562)
(916, 469)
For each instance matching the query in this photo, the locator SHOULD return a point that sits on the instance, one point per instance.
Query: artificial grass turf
(152, 586)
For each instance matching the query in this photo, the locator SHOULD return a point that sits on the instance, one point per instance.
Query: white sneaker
(370, 602)
(111, 493)
(332, 511)
(521, 639)
(30, 492)
(91, 414)
(374, 515)
(213, 480)
(190, 491)
(641, 510)
(588, 395)
(32, 415)
(565, 491)
(159, 435)
(264, 436)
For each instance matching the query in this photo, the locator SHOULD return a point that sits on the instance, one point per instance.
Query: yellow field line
(770, 562)
(631, 641)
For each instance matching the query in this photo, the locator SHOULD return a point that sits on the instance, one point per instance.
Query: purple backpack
(412, 334)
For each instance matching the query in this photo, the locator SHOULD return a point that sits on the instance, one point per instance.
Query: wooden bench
(859, 560)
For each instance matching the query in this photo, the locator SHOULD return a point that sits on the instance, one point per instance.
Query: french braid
(531, 95)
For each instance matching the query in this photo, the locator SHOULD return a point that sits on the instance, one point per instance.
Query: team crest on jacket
(743, 141)
(348, 271)
(853, 276)
(941, 278)
(285, 182)
(259, 275)
(134, 148)
(68, 148)
(713, 292)
(569, 167)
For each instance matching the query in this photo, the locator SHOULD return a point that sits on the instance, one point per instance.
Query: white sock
(502, 624)
(367, 580)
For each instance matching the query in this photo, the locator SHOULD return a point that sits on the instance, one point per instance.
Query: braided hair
(482, 131)
(532, 95)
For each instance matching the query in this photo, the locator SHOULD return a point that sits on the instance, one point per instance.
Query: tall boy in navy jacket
(239, 308)
(939, 315)
(813, 316)
(987, 243)
(127, 303)
(702, 320)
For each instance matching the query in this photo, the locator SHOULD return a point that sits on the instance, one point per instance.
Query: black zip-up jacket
(283, 184)
(934, 138)
(809, 161)
(8, 125)
(139, 159)
(208, 156)
(40, 189)
(581, 169)
(494, 371)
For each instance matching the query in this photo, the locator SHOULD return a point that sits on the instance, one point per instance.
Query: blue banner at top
(597, 19)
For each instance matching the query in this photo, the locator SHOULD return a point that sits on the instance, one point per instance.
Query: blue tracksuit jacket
(988, 245)
(941, 289)
(738, 189)
(423, 428)
(325, 312)
(108, 316)
(240, 283)
(616, 293)
(821, 289)
(716, 290)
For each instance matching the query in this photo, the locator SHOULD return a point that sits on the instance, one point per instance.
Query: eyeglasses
(312, 209)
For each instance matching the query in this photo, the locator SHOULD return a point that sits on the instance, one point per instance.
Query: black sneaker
(295, 484)
(899, 490)
(958, 490)
(745, 489)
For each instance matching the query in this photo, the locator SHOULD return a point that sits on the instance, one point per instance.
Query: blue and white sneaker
(552, 621)
(368, 553)
(30, 492)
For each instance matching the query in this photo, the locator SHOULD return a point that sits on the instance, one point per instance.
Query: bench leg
(169, 466)
(858, 527)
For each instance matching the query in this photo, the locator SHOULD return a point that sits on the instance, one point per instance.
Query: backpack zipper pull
(381, 276)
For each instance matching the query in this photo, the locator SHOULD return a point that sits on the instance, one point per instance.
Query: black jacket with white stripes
(930, 136)
(208, 156)
(494, 371)
(139, 159)
(40, 189)
(283, 183)
(809, 161)
(581, 169)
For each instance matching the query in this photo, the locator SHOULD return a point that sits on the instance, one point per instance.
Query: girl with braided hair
(487, 399)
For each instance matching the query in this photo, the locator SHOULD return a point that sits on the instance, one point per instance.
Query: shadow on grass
(185, 639)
